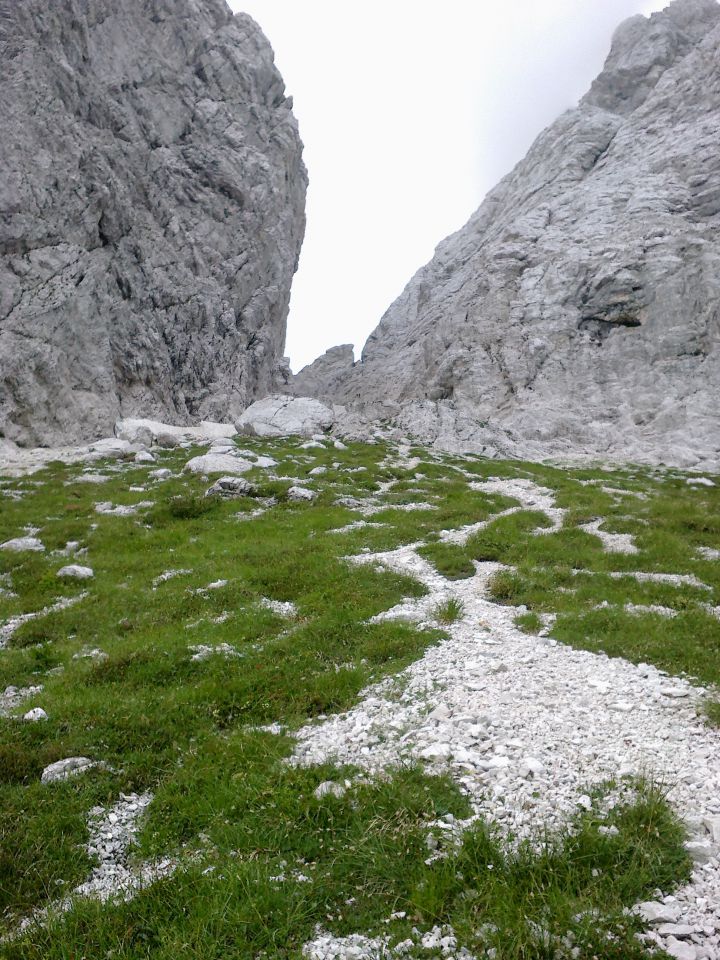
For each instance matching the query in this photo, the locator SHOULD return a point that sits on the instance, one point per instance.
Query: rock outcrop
(578, 311)
(151, 214)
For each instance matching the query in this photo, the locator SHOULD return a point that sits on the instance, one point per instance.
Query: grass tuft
(450, 611)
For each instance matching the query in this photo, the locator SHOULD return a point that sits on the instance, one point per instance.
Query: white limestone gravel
(112, 834)
(13, 696)
(108, 508)
(440, 940)
(169, 575)
(642, 576)
(525, 726)
(356, 525)
(90, 653)
(283, 608)
(202, 651)
(8, 628)
(612, 542)
(88, 478)
(530, 494)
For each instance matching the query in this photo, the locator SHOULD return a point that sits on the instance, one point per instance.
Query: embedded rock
(151, 214)
(278, 416)
(218, 463)
(35, 715)
(76, 572)
(301, 494)
(62, 769)
(23, 544)
(228, 488)
(578, 311)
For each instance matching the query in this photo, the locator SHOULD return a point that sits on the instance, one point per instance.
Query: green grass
(224, 796)
(529, 622)
(567, 572)
(524, 903)
(450, 611)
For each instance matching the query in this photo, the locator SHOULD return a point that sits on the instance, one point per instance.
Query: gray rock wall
(151, 214)
(578, 311)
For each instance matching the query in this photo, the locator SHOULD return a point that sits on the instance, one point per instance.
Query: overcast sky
(410, 111)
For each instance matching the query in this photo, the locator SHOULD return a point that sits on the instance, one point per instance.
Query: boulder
(217, 463)
(111, 448)
(279, 416)
(22, 544)
(62, 769)
(35, 715)
(142, 431)
(230, 487)
(301, 494)
(76, 572)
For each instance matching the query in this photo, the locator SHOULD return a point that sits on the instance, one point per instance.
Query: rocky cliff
(151, 214)
(578, 311)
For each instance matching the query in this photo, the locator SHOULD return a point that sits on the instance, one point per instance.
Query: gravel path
(525, 726)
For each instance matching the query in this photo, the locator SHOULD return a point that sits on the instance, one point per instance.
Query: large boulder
(285, 416)
(151, 214)
(578, 311)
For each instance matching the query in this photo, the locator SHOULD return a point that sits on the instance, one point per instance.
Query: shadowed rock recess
(578, 311)
(151, 214)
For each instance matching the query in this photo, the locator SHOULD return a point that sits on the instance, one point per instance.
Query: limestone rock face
(151, 214)
(324, 375)
(578, 311)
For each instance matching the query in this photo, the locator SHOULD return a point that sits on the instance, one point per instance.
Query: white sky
(410, 111)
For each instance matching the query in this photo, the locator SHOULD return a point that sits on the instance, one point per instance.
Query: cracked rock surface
(577, 311)
(151, 214)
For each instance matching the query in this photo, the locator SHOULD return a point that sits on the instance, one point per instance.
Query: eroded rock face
(324, 375)
(151, 214)
(578, 311)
